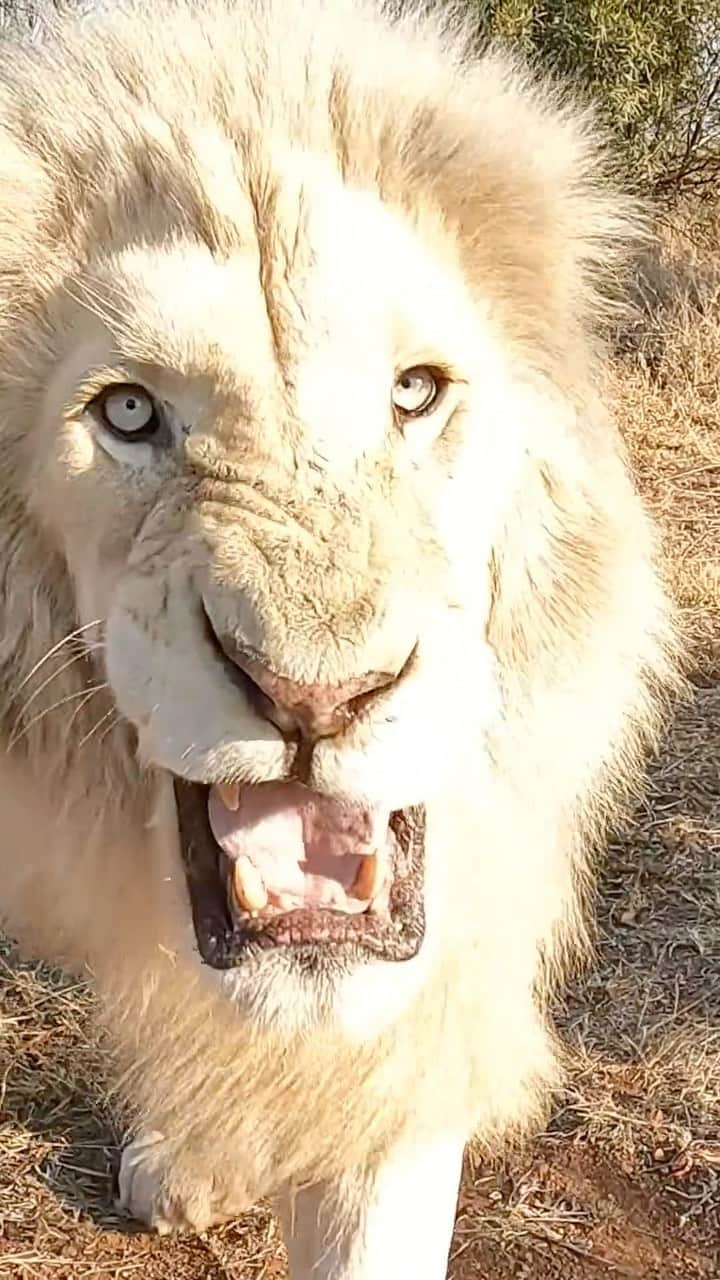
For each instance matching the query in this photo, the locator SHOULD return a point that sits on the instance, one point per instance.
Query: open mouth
(277, 865)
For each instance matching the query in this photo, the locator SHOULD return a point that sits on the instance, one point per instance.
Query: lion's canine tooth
(229, 793)
(366, 878)
(247, 886)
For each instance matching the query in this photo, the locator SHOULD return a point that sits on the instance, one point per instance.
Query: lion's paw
(158, 1189)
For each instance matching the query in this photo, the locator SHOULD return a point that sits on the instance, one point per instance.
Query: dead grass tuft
(666, 388)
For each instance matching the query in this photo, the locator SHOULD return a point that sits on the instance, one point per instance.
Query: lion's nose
(314, 711)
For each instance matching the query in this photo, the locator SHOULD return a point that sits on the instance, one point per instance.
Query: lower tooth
(229, 793)
(366, 878)
(247, 886)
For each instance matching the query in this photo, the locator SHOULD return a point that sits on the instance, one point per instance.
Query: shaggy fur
(262, 211)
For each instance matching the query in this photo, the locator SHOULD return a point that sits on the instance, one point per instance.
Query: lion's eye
(415, 391)
(129, 412)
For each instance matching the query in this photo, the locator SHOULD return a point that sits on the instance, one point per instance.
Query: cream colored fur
(263, 212)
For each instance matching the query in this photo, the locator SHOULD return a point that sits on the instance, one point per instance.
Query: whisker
(111, 726)
(98, 688)
(96, 726)
(70, 697)
(91, 300)
(54, 675)
(56, 647)
(106, 302)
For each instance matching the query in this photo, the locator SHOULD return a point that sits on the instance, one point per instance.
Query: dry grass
(668, 399)
(626, 1181)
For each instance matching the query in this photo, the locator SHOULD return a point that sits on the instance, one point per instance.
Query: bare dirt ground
(626, 1180)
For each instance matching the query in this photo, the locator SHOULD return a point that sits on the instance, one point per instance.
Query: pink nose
(313, 710)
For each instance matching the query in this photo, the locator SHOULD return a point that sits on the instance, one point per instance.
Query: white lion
(331, 633)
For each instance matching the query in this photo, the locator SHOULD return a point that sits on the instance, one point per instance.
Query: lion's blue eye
(128, 411)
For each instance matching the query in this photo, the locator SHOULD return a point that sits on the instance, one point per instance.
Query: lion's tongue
(307, 851)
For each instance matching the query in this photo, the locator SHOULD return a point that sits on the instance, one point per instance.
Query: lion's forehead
(335, 279)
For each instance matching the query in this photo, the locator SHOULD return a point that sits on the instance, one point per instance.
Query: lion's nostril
(314, 710)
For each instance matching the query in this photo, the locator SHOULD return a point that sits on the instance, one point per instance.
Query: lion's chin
(345, 907)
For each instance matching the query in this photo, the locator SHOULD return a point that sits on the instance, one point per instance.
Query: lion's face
(277, 479)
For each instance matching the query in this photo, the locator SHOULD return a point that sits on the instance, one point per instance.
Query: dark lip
(226, 944)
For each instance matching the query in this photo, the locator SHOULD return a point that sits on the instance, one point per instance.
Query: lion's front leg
(396, 1221)
(170, 1189)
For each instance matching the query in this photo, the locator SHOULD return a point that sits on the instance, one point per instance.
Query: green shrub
(653, 66)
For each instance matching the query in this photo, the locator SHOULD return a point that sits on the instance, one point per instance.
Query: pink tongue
(307, 849)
